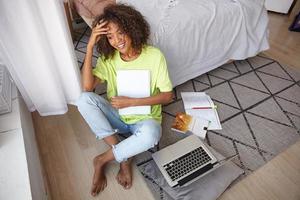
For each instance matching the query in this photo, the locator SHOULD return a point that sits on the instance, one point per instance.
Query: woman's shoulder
(105, 64)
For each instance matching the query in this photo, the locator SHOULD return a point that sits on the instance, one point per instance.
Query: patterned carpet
(258, 103)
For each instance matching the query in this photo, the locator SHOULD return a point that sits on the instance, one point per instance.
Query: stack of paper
(200, 105)
(135, 84)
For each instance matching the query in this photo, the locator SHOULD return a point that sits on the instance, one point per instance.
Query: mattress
(198, 36)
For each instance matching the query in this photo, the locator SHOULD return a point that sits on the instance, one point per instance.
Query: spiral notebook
(136, 84)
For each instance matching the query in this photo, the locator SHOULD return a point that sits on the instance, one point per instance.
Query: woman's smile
(121, 46)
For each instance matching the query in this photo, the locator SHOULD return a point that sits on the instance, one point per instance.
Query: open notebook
(199, 104)
(134, 83)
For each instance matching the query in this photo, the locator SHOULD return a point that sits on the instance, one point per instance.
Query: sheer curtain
(37, 49)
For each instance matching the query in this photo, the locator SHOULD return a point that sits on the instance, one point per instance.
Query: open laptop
(186, 161)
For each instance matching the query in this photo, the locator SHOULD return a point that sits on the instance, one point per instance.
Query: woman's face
(118, 39)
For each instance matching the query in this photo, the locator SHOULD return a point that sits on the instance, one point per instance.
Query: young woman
(121, 35)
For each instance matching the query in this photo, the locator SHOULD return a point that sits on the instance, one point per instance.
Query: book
(200, 105)
(136, 84)
(184, 123)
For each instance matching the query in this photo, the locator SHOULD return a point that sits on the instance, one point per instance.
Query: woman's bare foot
(124, 176)
(99, 179)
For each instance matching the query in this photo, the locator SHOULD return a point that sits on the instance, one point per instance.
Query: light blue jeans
(104, 120)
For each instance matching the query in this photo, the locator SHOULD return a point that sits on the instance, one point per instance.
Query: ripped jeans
(104, 120)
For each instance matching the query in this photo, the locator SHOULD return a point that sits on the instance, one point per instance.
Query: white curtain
(37, 49)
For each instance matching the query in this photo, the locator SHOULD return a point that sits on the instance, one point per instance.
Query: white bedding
(197, 36)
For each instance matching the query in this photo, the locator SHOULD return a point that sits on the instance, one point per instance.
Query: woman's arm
(87, 77)
(123, 102)
(89, 81)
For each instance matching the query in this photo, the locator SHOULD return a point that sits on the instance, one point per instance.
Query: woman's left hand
(122, 102)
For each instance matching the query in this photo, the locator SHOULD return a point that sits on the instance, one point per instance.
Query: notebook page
(195, 99)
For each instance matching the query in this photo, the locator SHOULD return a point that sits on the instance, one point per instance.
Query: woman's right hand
(99, 30)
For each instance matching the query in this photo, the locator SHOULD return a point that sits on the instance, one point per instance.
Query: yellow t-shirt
(150, 59)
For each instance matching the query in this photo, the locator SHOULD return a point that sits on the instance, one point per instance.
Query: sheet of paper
(134, 83)
(199, 127)
(208, 114)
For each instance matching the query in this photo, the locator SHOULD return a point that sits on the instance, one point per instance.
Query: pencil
(199, 108)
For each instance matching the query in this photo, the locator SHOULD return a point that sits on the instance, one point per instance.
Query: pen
(199, 108)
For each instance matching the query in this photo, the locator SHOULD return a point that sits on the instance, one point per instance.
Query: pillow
(91, 8)
(209, 187)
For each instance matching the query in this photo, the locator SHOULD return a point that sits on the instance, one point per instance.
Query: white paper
(210, 115)
(195, 99)
(136, 84)
(199, 127)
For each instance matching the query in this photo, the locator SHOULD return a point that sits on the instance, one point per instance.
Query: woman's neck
(130, 55)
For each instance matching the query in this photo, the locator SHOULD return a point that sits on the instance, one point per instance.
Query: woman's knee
(84, 98)
(89, 98)
(151, 133)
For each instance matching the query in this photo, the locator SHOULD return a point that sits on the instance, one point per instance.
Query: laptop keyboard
(187, 163)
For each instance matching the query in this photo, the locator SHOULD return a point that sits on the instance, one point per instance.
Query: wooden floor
(279, 179)
(67, 148)
(284, 44)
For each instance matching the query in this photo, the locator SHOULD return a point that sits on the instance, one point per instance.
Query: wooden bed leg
(68, 15)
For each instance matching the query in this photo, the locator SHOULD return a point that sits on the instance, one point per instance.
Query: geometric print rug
(258, 102)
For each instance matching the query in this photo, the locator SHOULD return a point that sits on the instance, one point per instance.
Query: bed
(197, 36)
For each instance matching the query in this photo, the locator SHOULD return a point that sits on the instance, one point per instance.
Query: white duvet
(197, 36)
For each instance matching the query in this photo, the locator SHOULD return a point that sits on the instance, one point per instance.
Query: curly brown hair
(130, 21)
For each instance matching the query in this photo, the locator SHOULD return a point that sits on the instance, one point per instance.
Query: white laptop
(134, 83)
(186, 161)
